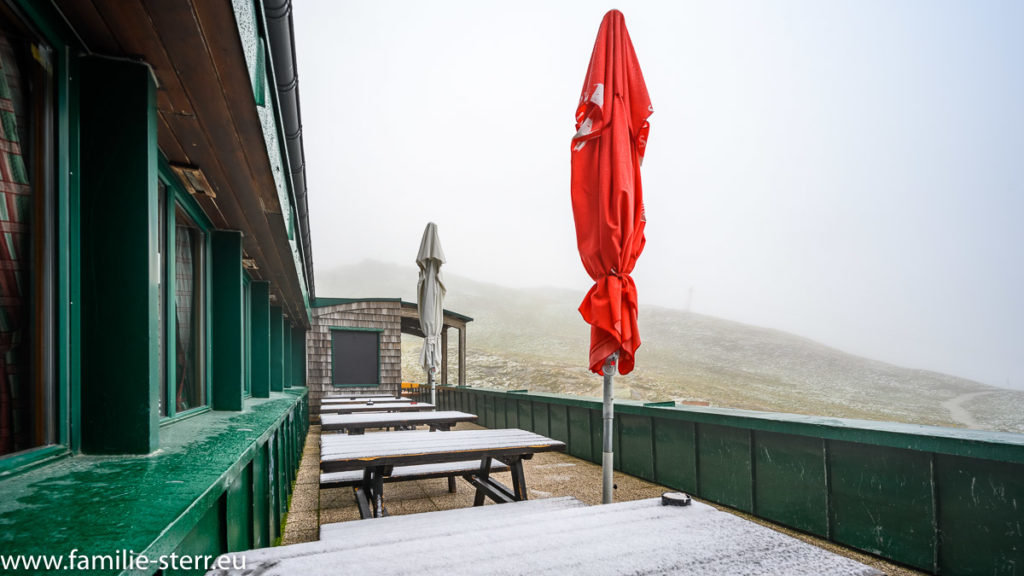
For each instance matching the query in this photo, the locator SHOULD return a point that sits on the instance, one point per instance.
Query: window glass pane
(27, 398)
(355, 358)
(161, 257)
(189, 313)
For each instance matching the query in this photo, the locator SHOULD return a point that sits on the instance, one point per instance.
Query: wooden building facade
(355, 345)
(156, 275)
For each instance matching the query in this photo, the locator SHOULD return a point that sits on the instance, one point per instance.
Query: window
(182, 298)
(162, 304)
(28, 397)
(355, 357)
(189, 316)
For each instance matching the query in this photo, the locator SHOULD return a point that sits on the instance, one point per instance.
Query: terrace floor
(547, 474)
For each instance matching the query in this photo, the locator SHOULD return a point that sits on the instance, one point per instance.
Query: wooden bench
(407, 473)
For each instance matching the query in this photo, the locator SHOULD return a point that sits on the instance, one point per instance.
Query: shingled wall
(377, 315)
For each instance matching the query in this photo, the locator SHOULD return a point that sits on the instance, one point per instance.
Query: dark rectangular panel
(355, 358)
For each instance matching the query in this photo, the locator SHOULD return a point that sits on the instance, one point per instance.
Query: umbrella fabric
(607, 196)
(430, 293)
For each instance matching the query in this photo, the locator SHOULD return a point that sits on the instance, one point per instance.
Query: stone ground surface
(547, 474)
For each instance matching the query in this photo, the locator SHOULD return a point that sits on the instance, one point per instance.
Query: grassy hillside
(535, 339)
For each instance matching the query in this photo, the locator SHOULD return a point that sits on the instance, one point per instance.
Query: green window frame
(177, 201)
(354, 329)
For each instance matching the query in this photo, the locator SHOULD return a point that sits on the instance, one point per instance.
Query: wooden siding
(383, 316)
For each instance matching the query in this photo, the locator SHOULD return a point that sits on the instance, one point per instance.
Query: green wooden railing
(943, 500)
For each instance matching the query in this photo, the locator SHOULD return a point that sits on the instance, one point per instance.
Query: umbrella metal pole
(608, 413)
(433, 391)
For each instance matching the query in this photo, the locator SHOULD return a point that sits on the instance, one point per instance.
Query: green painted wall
(299, 357)
(119, 341)
(286, 355)
(260, 302)
(276, 349)
(226, 303)
(942, 500)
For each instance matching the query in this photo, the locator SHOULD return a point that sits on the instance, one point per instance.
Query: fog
(847, 171)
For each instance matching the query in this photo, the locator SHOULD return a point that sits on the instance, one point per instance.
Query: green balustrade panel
(724, 466)
(580, 441)
(596, 434)
(274, 492)
(981, 513)
(558, 419)
(512, 413)
(240, 511)
(500, 413)
(261, 499)
(206, 540)
(541, 421)
(882, 501)
(675, 454)
(790, 485)
(943, 500)
(636, 445)
(524, 413)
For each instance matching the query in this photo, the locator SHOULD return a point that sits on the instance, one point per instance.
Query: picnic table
(554, 536)
(375, 407)
(359, 395)
(364, 400)
(377, 454)
(358, 423)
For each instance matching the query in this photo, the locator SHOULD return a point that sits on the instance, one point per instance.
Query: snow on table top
(358, 395)
(381, 419)
(364, 399)
(397, 528)
(339, 452)
(638, 537)
(377, 407)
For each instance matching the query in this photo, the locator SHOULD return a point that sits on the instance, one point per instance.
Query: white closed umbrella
(430, 302)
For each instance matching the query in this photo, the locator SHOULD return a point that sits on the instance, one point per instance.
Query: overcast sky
(852, 172)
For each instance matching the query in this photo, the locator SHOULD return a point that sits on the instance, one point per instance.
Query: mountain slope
(535, 339)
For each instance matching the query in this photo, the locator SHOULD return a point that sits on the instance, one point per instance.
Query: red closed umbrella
(607, 202)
